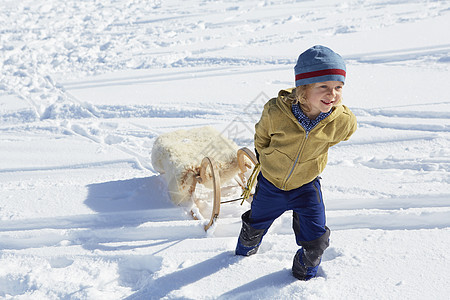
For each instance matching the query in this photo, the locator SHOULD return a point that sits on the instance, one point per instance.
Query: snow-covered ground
(87, 86)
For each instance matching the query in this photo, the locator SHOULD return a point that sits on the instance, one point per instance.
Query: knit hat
(319, 64)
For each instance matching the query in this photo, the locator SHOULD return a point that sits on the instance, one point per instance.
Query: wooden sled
(202, 156)
(209, 162)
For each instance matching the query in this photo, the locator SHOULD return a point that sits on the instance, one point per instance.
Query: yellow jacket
(289, 157)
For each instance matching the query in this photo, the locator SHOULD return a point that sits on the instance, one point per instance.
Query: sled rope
(250, 183)
(229, 201)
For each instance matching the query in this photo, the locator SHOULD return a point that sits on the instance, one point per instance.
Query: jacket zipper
(296, 160)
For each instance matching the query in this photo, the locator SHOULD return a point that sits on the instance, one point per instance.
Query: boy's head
(318, 64)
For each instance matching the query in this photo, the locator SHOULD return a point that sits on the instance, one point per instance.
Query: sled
(202, 156)
(243, 181)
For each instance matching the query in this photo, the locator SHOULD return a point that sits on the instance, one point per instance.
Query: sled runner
(187, 158)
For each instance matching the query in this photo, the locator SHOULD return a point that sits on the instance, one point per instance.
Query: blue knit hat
(319, 64)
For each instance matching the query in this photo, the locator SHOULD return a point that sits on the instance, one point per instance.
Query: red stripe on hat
(319, 73)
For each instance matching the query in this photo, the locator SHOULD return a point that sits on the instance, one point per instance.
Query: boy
(292, 139)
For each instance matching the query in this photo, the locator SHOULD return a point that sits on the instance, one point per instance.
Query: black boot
(307, 259)
(249, 238)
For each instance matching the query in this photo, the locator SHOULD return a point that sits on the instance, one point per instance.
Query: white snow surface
(87, 86)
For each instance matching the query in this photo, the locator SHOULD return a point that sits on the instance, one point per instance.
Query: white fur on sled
(178, 155)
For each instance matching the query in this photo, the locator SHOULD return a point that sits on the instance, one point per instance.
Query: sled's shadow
(135, 194)
(132, 202)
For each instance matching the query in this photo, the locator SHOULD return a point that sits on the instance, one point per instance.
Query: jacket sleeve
(348, 129)
(352, 126)
(262, 131)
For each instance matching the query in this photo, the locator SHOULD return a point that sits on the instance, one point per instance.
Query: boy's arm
(348, 130)
(352, 127)
(262, 129)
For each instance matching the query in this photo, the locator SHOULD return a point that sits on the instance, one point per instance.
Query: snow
(86, 87)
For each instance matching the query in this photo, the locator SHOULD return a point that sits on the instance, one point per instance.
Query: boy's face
(323, 96)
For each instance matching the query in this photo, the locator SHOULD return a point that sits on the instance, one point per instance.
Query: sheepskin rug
(177, 155)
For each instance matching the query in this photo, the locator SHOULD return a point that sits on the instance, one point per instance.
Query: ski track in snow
(121, 243)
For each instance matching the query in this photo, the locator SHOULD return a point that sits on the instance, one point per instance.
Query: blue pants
(311, 234)
(269, 202)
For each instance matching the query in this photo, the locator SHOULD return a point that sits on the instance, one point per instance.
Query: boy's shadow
(162, 286)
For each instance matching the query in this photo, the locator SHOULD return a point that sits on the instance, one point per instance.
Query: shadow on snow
(135, 194)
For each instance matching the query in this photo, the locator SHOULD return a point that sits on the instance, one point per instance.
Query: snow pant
(311, 234)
